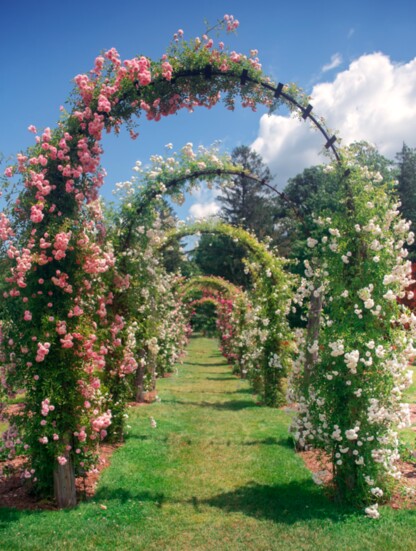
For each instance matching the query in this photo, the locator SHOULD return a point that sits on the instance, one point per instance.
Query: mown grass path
(218, 473)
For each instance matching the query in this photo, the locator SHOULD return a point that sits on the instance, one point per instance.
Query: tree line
(285, 217)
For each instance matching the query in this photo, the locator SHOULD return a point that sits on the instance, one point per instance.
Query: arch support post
(64, 485)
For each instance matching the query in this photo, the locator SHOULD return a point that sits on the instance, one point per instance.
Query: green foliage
(221, 256)
(406, 163)
(211, 284)
(203, 318)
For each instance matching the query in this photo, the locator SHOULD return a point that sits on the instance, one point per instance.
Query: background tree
(293, 211)
(173, 257)
(406, 176)
(219, 255)
(247, 203)
(313, 190)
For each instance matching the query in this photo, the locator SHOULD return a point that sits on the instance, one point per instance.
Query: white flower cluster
(352, 403)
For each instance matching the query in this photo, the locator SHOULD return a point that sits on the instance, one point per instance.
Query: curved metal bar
(219, 172)
(244, 78)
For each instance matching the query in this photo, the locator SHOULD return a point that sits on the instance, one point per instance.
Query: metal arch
(218, 172)
(208, 72)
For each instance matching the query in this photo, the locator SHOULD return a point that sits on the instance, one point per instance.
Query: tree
(313, 190)
(219, 255)
(303, 195)
(248, 203)
(406, 163)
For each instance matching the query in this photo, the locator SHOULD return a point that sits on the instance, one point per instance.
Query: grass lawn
(218, 473)
(408, 435)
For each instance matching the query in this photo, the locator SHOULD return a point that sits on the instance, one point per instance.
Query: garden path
(217, 472)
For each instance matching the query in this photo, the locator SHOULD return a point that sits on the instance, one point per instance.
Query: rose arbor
(271, 298)
(56, 334)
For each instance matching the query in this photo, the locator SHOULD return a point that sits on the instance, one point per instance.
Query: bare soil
(15, 490)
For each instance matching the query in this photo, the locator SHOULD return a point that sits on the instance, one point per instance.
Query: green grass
(218, 473)
(408, 435)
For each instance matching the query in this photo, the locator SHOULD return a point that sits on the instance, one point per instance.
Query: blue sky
(354, 57)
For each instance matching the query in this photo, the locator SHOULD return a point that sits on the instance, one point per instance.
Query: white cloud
(373, 100)
(202, 202)
(204, 210)
(336, 61)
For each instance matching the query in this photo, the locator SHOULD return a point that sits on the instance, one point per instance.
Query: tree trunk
(64, 485)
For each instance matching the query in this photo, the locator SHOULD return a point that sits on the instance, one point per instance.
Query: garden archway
(55, 297)
(271, 296)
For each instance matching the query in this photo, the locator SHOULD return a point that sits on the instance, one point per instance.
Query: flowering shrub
(55, 335)
(350, 394)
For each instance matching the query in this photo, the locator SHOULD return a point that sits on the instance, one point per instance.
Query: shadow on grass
(281, 442)
(231, 405)
(207, 364)
(13, 515)
(122, 495)
(146, 437)
(225, 378)
(244, 391)
(283, 503)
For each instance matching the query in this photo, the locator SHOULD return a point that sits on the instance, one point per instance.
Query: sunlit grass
(218, 473)
(408, 435)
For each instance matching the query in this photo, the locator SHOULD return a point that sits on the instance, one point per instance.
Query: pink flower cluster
(138, 69)
(167, 70)
(23, 265)
(129, 363)
(61, 244)
(232, 24)
(42, 351)
(36, 214)
(99, 424)
(46, 407)
(67, 341)
(98, 262)
(6, 231)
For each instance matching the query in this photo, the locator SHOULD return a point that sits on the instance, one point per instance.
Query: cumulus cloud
(373, 100)
(336, 61)
(204, 210)
(204, 200)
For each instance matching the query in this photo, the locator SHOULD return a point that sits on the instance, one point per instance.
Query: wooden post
(64, 485)
(139, 378)
(312, 335)
(153, 367)
(139, 384)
